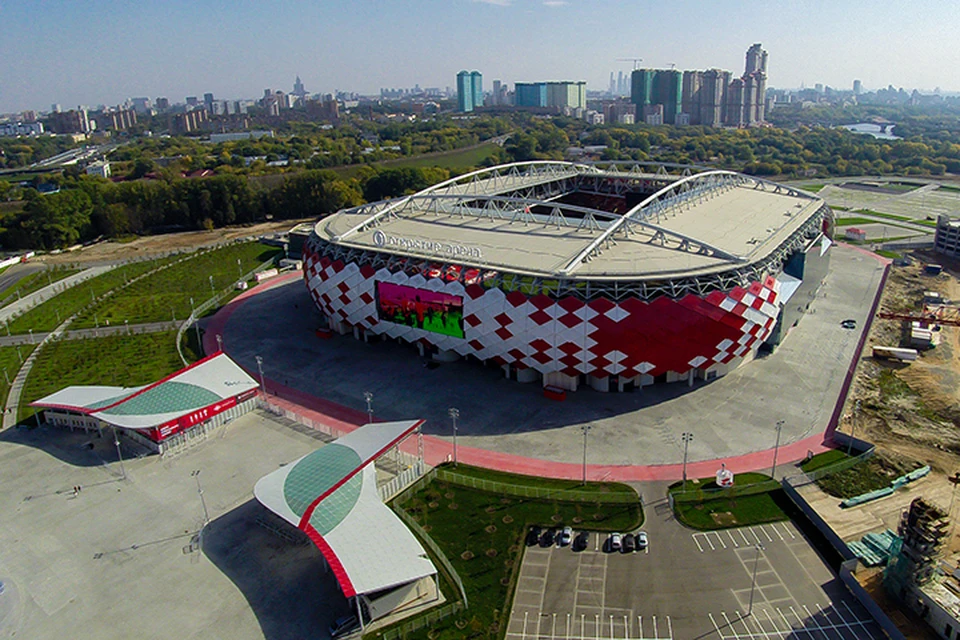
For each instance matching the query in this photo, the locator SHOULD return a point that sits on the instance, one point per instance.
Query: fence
(525, 491)
(736, 491)
(804, 477)
(265, 404)
(210, 303)
(429, 619)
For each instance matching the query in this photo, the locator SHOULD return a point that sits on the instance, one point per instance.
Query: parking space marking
(698, 543)
(732, 539)
(781, 626)
(745, 541)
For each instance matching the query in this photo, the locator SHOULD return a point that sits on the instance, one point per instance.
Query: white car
(642, 540)
(565, 537)
(616, 542)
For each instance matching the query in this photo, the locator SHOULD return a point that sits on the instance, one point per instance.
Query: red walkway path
(437, 450)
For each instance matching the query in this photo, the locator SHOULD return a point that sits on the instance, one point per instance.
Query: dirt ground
(112, 251)
(912, 409)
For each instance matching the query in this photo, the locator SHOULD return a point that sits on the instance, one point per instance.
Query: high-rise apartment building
(469, 90)
(708, 97)
(208, 101)
(298, 89)
(530, 94)
(557, 95)
(857, 87)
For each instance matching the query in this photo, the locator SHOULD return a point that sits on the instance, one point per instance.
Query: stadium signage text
(424, 245)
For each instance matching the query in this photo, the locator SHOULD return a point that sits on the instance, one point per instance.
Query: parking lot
(686, 584)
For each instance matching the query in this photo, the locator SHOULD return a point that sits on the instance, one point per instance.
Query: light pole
(31, 335)
(239, 268)
(955, 480)
(126, 325)
(454, 414)
(686, 436)
(212, 291)
(219, 342)
(116, 443)
(753, 586)
(776, 449)
(585, 428)
(853, 426)
(263, 387)
(206, 516)
(368, 396)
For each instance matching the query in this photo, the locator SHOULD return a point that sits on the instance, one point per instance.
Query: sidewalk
(42, 295)
(77, 334)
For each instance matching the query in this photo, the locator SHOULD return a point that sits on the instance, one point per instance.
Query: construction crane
(636, 62)
(941, 314)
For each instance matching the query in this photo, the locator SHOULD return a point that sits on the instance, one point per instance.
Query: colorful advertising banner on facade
(433, 311)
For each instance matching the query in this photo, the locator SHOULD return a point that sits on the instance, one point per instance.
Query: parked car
(548, 537)
(344, 625)
(533, 536)
(642, 540)
(566, 537)
(580, 542)
(629, 544)
(615, 542)
(849, 323)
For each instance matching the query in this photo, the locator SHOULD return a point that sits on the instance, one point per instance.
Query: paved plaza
(799, 383)
(122, 558)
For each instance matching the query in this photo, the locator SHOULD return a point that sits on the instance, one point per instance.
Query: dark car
(629, 543)
(533, 536)
(343, 626)
(580, 542)
(849, 323)
(548, 537)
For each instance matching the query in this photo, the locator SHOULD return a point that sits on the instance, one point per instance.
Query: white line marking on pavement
(707, 538)
(524, 635)
(553, 629)
(568, 626)
(729, 624)
(656, 634)
(717, 628)
(640, 625)
(775, 626)
(803, 625)
(813, 618)
(745, 541)
(670, 627)
(777, 531)
(698, 543)
(750, 529)
(732, 539)
(789, 531)
(769, 539)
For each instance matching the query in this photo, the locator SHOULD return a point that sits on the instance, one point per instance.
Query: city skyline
(111, 51)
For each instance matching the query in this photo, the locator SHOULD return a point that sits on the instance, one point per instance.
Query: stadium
(610, 275)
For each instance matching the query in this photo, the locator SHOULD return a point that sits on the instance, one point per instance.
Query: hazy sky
(103, 51)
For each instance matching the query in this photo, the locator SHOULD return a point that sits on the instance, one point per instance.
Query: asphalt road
(14, 273)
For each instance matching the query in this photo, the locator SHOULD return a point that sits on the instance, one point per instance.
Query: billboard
(432, 311)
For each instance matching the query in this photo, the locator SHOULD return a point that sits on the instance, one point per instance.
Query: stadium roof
(691, 225)
(201, 385)
(331, 495)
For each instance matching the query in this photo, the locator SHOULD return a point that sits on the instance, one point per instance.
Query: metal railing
(210, 303)
(428, 619)
(804, 477)
(438, 554)
(526, 491)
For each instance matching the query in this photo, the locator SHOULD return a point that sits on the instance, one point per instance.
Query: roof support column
(356, 599)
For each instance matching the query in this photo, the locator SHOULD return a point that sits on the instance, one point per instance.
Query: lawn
(33, 282)
(10, 360)
(123, 361)
(705, 506)
(950, 187)
(46, 316)
(482, 534)
(812, 187)
(849, 222)
(874, 473)
(824, 459)
(468, 158)
(166, 295)
(888, 216)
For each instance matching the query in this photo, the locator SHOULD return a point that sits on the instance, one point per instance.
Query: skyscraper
(298, 89)
(857, 87)
(469, 90)
(754, 85)
(476, 82)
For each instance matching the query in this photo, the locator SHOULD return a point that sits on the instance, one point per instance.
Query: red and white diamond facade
(511, 265)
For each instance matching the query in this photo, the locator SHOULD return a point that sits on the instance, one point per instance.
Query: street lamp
(753, 586)
(263, 387)
(776, 448)
(368, 396)
(212, 291)
(31, 335)
(239, 268)
(116, 443)
(585, 428)
(219, 342)
(126, 325)
(206, 516)
(853, 426)
(686, 436)
(454, 414)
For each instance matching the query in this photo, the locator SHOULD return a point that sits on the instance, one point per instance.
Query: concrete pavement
(78, 334)
(636, 436)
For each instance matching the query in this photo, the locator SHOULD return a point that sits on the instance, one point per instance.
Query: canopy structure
(190, 396)
(331, 495)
